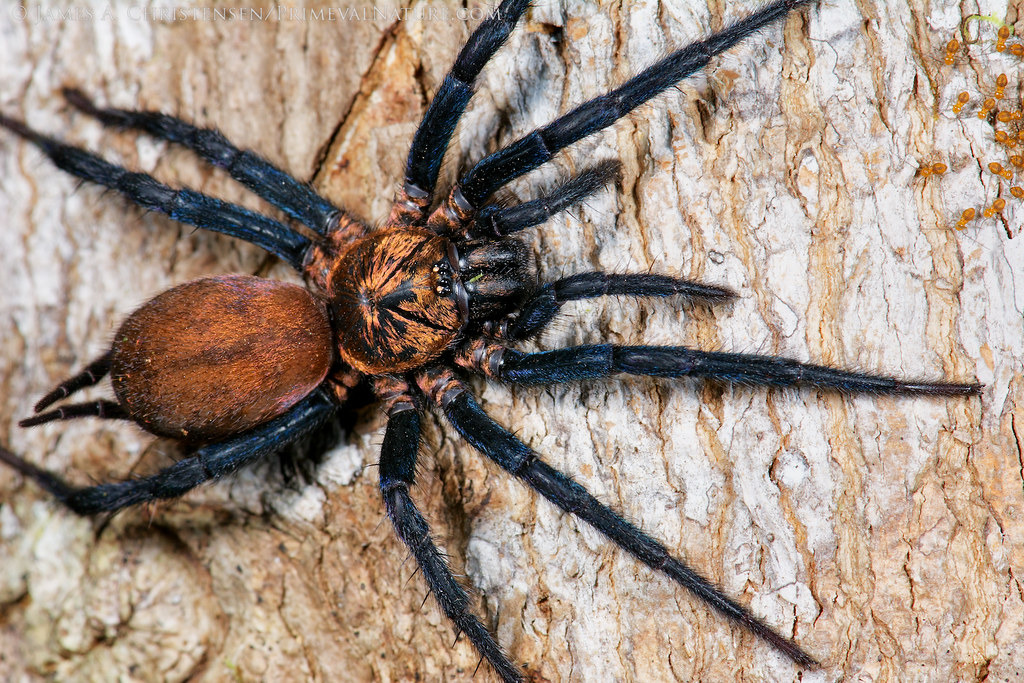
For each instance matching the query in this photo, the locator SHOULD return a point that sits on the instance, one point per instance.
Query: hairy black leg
(518, 459)
(601, 360)
(209, 462)
(538, 147)
(397, 475)
(435, 130)
(540, 309)
(499, 221)
(295, 198)
(90, 375)
(185, 206)
(106, 410)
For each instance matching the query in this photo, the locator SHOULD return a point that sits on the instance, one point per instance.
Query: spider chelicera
(238, 366)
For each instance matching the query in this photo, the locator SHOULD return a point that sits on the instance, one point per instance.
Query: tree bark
(886, 535)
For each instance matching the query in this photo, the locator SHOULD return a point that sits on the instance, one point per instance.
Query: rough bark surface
(886, 535)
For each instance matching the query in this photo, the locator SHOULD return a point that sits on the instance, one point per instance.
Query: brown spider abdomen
(218, 356)
(398, 302)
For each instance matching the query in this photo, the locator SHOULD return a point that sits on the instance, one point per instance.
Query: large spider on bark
(239, 366)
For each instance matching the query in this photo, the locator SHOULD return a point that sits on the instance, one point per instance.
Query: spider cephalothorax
(397, 299)
(239, 366)
(402, 296)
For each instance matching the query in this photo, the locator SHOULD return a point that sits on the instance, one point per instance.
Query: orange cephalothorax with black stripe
(397, 300)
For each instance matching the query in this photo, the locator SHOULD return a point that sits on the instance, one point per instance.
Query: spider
(238, 366)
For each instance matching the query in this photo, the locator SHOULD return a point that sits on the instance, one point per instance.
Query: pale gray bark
(886, 534)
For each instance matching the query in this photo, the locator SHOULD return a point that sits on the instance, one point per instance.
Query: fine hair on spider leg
(239, 367)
